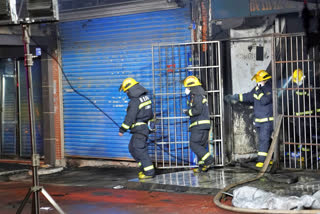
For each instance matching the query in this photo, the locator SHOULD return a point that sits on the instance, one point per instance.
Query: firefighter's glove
(122, 130)
(185, 111)
(231, 99)
(152, 125)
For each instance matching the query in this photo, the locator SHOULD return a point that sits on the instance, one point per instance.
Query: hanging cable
(71, 86)
(82, 95)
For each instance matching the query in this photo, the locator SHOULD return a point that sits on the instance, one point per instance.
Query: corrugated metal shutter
(97, 55)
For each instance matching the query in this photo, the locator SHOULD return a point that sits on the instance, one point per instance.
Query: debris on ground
(254, 198)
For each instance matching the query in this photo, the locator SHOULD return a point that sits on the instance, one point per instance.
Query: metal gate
(298, 102)
(14, 117)
(172, 63)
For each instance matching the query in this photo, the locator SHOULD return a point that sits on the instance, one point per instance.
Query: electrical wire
(82, 95)
(71, 86)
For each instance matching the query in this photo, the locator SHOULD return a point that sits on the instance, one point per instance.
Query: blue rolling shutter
(97, 55)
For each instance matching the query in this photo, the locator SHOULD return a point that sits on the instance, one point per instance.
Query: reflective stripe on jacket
(303, 102)
(139, 112)
(261, 98)
(198, 110)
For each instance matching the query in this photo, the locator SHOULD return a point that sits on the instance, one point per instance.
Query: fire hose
(218, 197)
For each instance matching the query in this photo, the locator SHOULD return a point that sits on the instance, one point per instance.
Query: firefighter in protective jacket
(139, 112)
(302, 109)
(199, 122)
(261, 98)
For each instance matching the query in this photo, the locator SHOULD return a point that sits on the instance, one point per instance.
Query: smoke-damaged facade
(159, 43)
(253, 45)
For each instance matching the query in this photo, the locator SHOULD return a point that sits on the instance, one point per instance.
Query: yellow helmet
(261, 76)
(127, 83)
(297, 75)
(191, 81)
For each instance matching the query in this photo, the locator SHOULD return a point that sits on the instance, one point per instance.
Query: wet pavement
(306, 182)
(283, 183)
(210, 182)
(117, 190)
(7, 169)
(84, 200)
(106, 177)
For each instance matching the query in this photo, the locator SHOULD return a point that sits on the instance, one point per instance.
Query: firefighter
(302, 109)
(261, 98)
(139, 112)
(199, 122)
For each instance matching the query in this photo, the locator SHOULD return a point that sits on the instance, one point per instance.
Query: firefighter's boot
(143, 176)
(260, 164)
(201, 168)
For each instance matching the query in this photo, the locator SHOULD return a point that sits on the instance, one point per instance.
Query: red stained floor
(85, 200)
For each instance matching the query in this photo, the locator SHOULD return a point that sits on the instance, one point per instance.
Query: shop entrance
(15, 139)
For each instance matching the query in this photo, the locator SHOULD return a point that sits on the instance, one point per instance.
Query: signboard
(223, 9)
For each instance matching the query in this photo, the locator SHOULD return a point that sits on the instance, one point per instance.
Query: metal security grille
(299, 103)
(172, 63)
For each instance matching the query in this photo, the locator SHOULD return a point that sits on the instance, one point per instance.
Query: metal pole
(315, 104)
(180, 104)
(274, 94)
(290, 132)
(278, 109)
(28, 62)
(293, 107)
(220, 80)
(168, 104)
(161, 105)
(174, 101)
(35, 189)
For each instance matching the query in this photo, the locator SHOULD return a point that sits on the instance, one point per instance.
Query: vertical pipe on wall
(49, 138)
